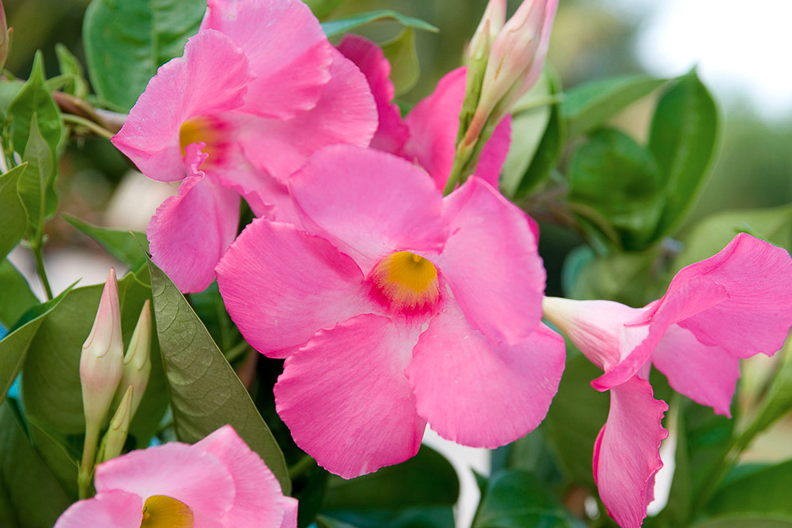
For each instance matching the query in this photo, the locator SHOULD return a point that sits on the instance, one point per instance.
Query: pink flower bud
(137, 361)
(491, 23)
(102, 360)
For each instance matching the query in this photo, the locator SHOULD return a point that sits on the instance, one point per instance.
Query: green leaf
(123, 245)
(205, 391)
(322, 8)
(682, 139)
(403, 58)
(60, 460)
(34, 494)
(13, 216)
(593, 104)
(35, 180)
(70, 66)
(15, 295)
(127, 40)
(339, 27)
(621, 181)
(764, 492)
(35, 100)
(745, 521)
(516, 499)
(210, 308)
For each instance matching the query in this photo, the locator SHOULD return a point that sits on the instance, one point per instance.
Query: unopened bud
(491, 23)
(5, 37)
(113, 443)
(137, 361)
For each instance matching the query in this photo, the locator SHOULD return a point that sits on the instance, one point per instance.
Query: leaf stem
(90, 125)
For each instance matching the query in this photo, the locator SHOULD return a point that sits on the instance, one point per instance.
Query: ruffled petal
(281, 286)
(392, 133)
(369, 203)
(346, 400)
(433, 125)
(287, 49)
(491, 263)
(176, 470)
(109, 509)
(626, 454)
(705, 374)
(258, 500)
(344, 114)
(480, 394)
(211, 77)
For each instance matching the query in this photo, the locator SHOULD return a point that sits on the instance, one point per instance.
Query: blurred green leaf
(339, 27)
(205, 392)
(33, 494)
(13, 216)
(123, 245)
(322, 8)
(516, 499)
(36, 180)
(621, 181)
(764, 492)
(430, 517)
(745, 521)
(15, 295)
(210, 308)
(127, 40)
(593, 104)
(682, 139)
(403, 58)
(70, 66)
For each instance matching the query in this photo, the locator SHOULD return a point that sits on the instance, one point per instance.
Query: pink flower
(427, 136)
(216, 483)
(395, 307)
(733, 305)
(257, 103)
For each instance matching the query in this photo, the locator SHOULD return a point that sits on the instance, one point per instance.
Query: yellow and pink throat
(209, 130)
(406, 283)
(160, 511)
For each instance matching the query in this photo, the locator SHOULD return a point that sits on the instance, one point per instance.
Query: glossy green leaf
(127, 40)
(403, 58)
(59, 458)
(123, 245)
(682, 139)
(620, 180)
(322, 8)
(516, 499)
(205, 392)
(34, 99)
(69, 65)
(13, 216)
(35, 180)
(339, 27)
(593, 104)
(34, 495)
(15, 295)
(764, 492)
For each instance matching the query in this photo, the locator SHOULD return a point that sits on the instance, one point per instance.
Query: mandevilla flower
(395, 307)
(216, 483)
(258, 90)
(427, 136)
(733, 305)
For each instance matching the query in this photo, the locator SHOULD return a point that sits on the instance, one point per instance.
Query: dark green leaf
(621, 181)
(210, 308)
(434, 517)
(682, 139)
(760, 493)
(338, 27)
(13, 217)
(69, 65)
(35, 180)
(127, 40)
(123, 245)
(205, 391)
(593, 104)
(15, 295)
(322, 8)
(516, 499)
(403, 58)
(746, 521)
(34, 495)
(56, 455)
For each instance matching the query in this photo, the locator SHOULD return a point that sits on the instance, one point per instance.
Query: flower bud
(491, 23)
(5, 37)
(113, 443)
(137, 361)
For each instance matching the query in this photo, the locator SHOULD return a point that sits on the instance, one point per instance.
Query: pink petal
(290, 513)
(190, 232)
(287, 49)
(392, 132)
(345, 113)
(433, 125)
(109, 509)
(176, 470)
(281, 286)
(477, 393)
(706, 374)
(258, 500)
(369, 203)
(212, 77)
(626, 454)
(346, 400)
(491, 263)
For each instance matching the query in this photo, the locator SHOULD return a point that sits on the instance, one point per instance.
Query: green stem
(42, 273)
(90, 125)
(302, 465)
(85, 474)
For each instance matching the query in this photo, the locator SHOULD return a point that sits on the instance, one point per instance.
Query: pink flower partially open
(395, 307)
(427, 136)
(259, 102)
(216, 483)
(733, 305)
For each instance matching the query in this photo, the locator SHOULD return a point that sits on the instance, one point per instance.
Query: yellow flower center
(406, 282)
(207, 129)
(160, 511)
